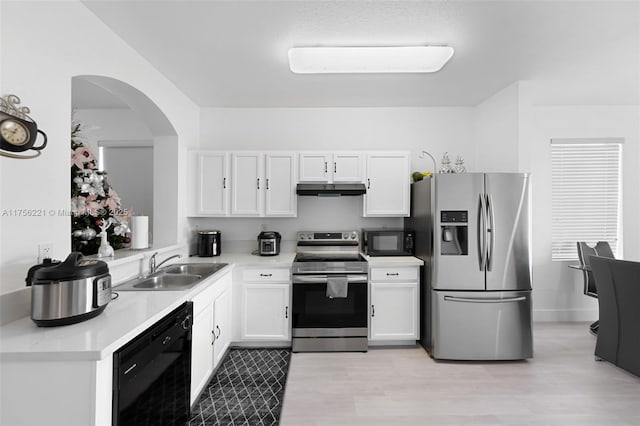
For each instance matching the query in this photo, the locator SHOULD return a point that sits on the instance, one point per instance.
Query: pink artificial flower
(80, 156)
(113, 201)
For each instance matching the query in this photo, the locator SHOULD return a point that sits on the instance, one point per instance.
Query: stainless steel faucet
(152, 262)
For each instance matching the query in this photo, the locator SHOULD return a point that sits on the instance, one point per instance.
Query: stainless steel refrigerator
(473, 233)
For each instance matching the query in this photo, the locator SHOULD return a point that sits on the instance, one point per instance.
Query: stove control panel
(328, 237)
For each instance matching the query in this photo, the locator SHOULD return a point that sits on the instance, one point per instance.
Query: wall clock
(18, 131)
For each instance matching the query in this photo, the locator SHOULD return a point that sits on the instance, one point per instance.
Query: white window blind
(585, 194)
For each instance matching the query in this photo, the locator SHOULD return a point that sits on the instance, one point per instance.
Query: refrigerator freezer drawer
(481, 325)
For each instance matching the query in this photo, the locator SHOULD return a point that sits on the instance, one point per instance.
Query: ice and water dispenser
(454, 232)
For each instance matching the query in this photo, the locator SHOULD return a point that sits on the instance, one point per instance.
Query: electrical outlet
(45, 251)
(263, 227)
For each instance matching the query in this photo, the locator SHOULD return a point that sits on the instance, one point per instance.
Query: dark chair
(618, 285)
(601, 249)
(607, 343)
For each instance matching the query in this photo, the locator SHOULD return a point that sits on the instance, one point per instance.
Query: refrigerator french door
(479, 280)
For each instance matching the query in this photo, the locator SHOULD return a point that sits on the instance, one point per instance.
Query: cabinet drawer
(405, 273)
(266, 275)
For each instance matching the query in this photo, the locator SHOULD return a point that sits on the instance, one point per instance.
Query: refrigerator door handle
(482, 233)
(479, 300)
(491, 238)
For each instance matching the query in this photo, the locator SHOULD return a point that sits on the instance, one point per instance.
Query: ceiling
(234, 53)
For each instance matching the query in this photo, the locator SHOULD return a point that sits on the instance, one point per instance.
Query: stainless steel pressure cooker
(269, 243)
(68, 292)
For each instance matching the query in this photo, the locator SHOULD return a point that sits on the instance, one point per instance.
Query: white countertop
(393, 261)
(128, 315)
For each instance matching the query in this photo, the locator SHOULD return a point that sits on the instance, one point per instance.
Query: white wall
(558, 289)
(415, 129)
(496, 131)
(69, 41)
(333, 129)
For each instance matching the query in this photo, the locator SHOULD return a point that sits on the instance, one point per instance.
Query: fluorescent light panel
(369, 59)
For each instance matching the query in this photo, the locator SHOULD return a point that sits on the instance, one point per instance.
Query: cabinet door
(394, 311)
(348, 167)
(314, 166)
(265, 311)
(280, 184)
(388, 184)
(246, 184)
(221, 325)
(201, 350)
(211, 191)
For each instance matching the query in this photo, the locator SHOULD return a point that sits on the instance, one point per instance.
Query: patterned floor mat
(246, 390)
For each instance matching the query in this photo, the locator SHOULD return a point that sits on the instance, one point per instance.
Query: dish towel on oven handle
(337, 286)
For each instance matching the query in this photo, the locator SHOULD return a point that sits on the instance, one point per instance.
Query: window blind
(585, 194)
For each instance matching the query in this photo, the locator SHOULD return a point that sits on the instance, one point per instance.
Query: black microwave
(388, 242)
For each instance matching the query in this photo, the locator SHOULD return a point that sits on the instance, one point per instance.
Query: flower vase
(105, 249)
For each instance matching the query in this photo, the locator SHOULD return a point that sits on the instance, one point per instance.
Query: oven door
(312, 309)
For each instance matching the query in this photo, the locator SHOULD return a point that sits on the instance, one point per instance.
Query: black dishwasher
(152, 374)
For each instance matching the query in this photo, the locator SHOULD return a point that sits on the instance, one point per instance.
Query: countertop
(128, 315)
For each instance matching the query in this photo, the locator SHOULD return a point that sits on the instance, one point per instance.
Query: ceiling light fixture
(368, 59)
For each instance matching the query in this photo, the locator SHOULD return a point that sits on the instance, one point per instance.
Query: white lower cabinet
(395, 305)
(211, 332)
(201, 350)
(265, 305)
(221, 325)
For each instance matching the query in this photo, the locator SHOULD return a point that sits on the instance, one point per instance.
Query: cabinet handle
(224, 183)
(128, 370)
(267, 183)
(258, 183)
(266, 275)
(213, 337)
(286, 312)
(219, 332)
(335, 167)
(368, 183)
(394, 274)
(373, 311)
(186, 323)
(325, 167)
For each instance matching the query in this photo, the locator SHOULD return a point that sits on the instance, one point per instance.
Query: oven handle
(322, 279)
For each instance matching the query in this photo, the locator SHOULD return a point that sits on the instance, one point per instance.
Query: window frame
(571, 158)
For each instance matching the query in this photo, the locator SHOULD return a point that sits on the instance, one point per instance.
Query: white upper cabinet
(281, 177)
(388, 184)
(348, 167)
(209, 183)
(331, 166)
(247, 183)
(256, 183)
(243, 183)
(314, 166)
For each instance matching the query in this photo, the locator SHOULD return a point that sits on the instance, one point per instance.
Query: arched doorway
(132, 129)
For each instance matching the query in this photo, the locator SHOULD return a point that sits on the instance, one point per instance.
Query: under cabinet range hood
(331, 189)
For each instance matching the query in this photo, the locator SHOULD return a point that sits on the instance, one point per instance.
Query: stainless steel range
(330, 298)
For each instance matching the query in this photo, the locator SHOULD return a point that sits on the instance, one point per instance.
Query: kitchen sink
(176, 277)
(194, 268)
(167, 282)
